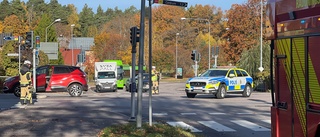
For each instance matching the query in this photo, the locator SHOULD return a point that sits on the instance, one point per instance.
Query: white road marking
(267, 121)
(250, 125)
(159, 114)
(217, 113)
(188, 113)
(216, 126)
(184, 126)
(245, 113)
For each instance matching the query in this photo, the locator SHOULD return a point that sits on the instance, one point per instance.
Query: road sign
(12, 54)
(173, 3)
(261, 69)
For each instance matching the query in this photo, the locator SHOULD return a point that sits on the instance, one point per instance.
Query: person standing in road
(155, 80)
(25, 83)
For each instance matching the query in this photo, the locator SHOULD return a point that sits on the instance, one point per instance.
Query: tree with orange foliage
(12, 24)
(243, 29)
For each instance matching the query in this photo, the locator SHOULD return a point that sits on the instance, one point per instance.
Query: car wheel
(247, 91)
(16, 90)
(221, 91)
(191, 95)
(75, 90)
(115, 89)
(98, 88)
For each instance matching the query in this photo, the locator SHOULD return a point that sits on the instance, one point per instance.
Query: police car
(220, 82)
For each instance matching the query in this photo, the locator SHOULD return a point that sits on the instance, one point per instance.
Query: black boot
(22, 101)
(29, 102)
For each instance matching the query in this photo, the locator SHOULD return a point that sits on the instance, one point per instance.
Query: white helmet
(153, 67)
(27, 62)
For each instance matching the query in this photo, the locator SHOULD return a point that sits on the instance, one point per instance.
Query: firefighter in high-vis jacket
(25, 83)
(155, 80)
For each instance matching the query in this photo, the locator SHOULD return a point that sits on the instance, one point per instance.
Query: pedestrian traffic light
(28, 41)
(193, 55)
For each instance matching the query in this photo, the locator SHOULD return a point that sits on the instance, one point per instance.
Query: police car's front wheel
(221, 91)
(191, 95)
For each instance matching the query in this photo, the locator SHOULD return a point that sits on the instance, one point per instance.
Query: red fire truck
(293, 26)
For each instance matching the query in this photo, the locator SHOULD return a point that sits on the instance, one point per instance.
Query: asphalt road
(58, 114)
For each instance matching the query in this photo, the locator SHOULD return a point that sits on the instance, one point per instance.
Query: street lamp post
(209, 35)
(57, 20)
(177, 54)
(72, 25)
(261, 16)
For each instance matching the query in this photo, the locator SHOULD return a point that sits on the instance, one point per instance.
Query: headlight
(188, 82)
(213, 82)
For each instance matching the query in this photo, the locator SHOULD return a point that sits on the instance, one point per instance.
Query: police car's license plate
(197, 87)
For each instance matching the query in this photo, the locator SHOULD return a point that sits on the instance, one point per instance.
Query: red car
(53, 78)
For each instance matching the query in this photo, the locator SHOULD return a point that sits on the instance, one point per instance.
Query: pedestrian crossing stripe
(184, 126)
(250, 125)
(267, 121)
(219, 127)
(159, 114)
(216, 126)
(188, 113)
(217, 113)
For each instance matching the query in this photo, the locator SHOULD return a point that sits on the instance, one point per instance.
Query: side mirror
(231, 75)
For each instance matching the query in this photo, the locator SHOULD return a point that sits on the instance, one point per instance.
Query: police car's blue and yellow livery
(219, 82)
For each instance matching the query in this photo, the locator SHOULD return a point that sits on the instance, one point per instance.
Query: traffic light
(134, 38)
(28, 41)
(193, 55)
(37, 42)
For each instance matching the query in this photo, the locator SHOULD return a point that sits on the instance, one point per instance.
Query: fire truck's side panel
(282, 85)
(313, 117)
(314, 69)
(298, 86)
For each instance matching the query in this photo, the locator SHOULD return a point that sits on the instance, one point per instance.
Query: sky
(124, 4)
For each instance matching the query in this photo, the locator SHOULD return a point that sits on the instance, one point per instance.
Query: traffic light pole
(133, 85)
(34, 69)
(19, 55)
(196, 68)
(141, 62)
(215, 61)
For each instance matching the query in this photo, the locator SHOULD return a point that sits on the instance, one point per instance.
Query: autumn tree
(163, 59)
(1, 27)
(106, 46)
(243, 29)
(12, 24)
(244, 40)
